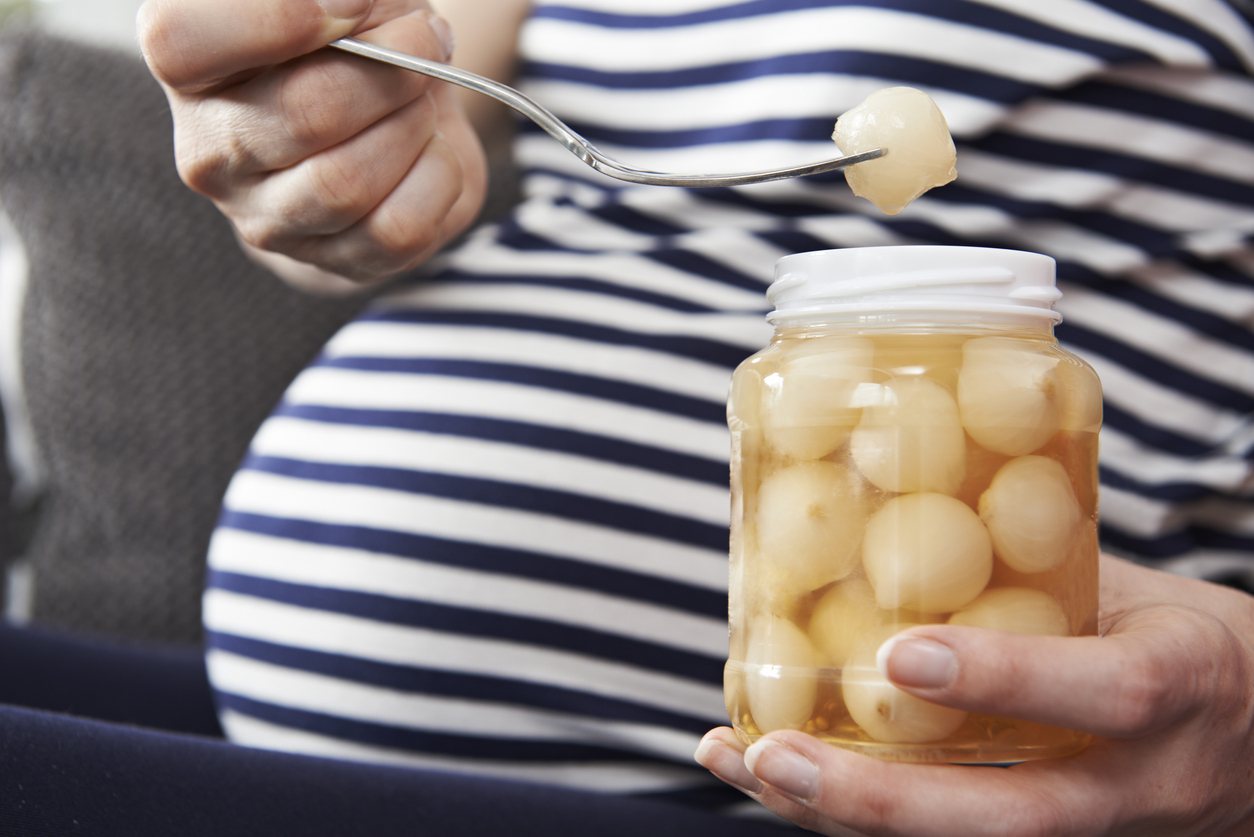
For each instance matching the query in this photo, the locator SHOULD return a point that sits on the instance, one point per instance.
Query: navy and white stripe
(486, 530)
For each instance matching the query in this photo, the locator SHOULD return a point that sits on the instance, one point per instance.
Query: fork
(575, 143)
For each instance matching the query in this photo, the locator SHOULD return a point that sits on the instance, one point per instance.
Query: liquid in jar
(894, 473)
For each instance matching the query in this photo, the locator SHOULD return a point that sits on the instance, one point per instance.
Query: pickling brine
(914, 447)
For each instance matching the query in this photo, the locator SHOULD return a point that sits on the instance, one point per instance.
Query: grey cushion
(152, 348)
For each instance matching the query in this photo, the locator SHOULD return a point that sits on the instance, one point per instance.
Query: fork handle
(575, 143)
(472, 81)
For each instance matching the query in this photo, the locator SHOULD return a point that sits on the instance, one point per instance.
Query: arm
(1169, 690)
(333, 170)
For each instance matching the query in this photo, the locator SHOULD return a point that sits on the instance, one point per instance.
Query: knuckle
(341, 192)
(198, 172)
(402, 233)
(202, 170)
(260, 231)
(311, 105)
(1146, 693)
(1193, 672)
(879, 805)
(400, 242)
(158, 43)
(1010, 688)
(209, 155)
(400, 227)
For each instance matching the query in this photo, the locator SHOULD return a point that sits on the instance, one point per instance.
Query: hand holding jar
(1167, 690)
(915, 577)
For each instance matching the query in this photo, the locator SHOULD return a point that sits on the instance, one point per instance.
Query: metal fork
(576, 144)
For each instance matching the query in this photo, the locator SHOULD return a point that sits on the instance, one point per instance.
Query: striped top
(486, 530)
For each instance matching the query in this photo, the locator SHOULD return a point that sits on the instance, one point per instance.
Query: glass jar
(913, 447)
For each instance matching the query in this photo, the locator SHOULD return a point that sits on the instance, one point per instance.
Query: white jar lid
(921, 278)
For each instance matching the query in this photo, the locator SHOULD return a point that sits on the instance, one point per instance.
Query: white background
(110, 22)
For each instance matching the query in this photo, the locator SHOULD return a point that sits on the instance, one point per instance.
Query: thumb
(1154, 670)
(194, 43)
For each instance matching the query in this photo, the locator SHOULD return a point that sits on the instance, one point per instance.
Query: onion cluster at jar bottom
(913, 447)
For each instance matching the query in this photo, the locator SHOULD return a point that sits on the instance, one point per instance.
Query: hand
(1168, 690)
(329, 159)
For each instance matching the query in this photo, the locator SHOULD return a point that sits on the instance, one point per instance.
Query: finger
(417, 218)
(195, 43)
(834, 791)
(1158, 666)
(331, 191)
(306, 106)
(406, 228)
(723, 754)
(453, 152)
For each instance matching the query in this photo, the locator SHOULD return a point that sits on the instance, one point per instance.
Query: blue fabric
(63, 774)
(158, 687)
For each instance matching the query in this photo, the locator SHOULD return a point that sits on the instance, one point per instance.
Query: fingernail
(918, 662)
(346, 9)
(783, 768)
(444, 32)
(727, 764)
